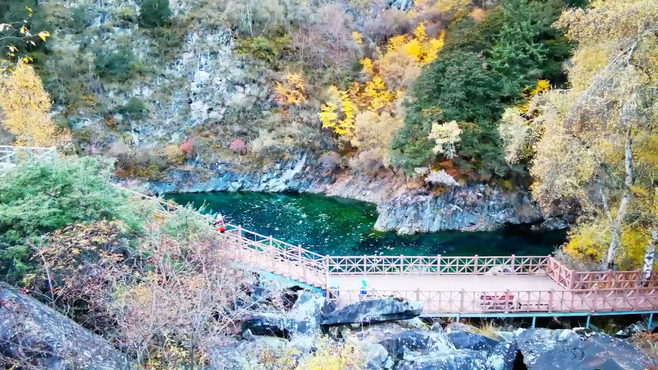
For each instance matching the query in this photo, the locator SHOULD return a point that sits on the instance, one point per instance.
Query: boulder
(463, 339)
(574, 350)
(374, 311)
(416, 342)
(454, 360)
(274, 325)
(375, 354)
(504, 356)
(44, 338)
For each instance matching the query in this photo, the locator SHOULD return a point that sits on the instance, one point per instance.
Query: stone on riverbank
(374, 311)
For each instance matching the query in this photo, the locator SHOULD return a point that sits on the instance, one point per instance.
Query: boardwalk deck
(444, 285)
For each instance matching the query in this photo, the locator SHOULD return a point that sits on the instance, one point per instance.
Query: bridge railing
(438, 265)
(612, 280)
(12, 154)
(514, 301)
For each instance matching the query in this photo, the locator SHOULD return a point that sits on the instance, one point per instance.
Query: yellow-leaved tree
(25, 108)
(292, 91)
(597, 141)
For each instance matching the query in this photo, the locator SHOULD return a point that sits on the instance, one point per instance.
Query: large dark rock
(416, 342)
(505, 356)
(44, 338)
(463, 339)
(275, 325)
(462, 359)
(545, 349)
(374, 311)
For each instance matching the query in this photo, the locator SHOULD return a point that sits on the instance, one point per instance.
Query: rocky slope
(478, 207)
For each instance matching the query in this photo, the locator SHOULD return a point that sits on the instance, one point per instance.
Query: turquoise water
(344, 227)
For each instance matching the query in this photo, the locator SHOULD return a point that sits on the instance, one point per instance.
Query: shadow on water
(339, 226)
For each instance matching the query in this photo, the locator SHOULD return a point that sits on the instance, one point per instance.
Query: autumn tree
(597, 140)
(22, 30)
(372, 136)
(26, 108)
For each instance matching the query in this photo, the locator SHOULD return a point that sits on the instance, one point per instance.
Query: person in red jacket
(219, 223)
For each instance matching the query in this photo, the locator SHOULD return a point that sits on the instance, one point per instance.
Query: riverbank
(402, 206)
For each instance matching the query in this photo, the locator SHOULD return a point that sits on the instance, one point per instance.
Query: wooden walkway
(474, 285)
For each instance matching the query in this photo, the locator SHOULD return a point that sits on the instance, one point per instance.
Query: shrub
(37, 198)
(263, 48)
(134, 108)
(154, 13)
(117, 64)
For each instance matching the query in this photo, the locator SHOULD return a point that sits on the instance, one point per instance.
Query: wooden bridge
(481, 286)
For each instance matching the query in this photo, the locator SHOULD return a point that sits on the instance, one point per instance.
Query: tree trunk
(625, 200)
(650, 255)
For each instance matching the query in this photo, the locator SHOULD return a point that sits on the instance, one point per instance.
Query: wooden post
(508, 294)
(475, 264)
(550, 301)
(572, 279)
(365, 265)
(595, 295)
(303, 265)
(513, 262)
(438, 264)
(326, 275)
(401, 265)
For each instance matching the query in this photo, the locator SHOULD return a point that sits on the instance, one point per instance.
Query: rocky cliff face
(468, 208)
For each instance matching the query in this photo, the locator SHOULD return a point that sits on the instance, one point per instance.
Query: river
(339, 226)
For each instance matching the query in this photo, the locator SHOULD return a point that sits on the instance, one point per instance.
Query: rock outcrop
(41, 337)
(545, 349)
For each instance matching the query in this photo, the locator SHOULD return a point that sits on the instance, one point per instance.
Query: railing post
(550, 301)
(438, 264)
(508, 294)
(475, 264)
(513, 263)
(401, 265)
(299, 255)
(273, 253)
(326, 275)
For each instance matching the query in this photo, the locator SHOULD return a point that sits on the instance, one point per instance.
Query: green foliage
(185, 224)
(263, 48)
(37, 198)
(515, 53)
(117, 64)
(78, 20)
(15, 13)
(456, 87)
(134, 108)
(154, 13)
